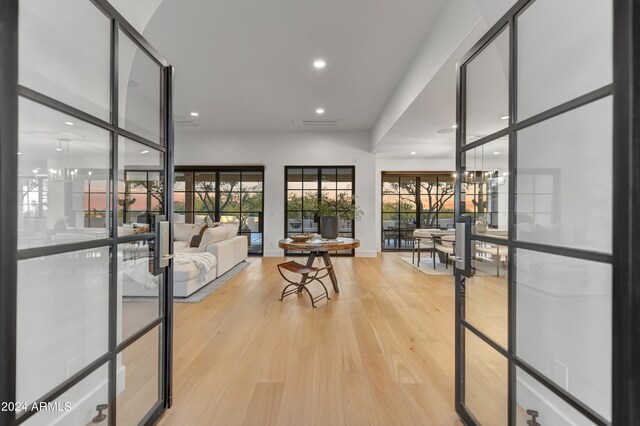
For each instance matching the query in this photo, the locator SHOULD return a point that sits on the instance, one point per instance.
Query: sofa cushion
(231, 229)
(183, 231)
(179, 245)
(191, 250)
(197, 236)
(213, 235)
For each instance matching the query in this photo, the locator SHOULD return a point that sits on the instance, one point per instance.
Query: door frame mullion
(8, 197)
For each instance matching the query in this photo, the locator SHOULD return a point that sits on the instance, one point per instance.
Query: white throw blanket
(204, 262)
(138, 270)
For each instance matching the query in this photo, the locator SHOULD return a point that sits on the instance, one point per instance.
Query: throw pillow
(195, 239)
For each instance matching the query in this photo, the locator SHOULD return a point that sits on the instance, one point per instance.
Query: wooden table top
(340, 243)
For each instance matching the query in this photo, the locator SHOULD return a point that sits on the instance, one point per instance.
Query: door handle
(168, 256)
(462, 246)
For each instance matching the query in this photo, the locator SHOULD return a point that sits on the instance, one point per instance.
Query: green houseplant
(331, 209)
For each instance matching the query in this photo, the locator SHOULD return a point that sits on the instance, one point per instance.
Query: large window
(305, 187)
(223, 194)
(410, 201)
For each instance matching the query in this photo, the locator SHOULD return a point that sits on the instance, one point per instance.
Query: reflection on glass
(81, 401)
(329, 179)
(345, 179)
(487, 88)
(141, 183)
(57, 62)
(485, 386)
(582, 61)
(62, 311)
(563, 307)
(136, 280)
(486, 187)
(565, 179)
(486, 296)
(138, 387)
(252, 181)
(531, 395)
(310, 179)
(63, 175)
(139, 91)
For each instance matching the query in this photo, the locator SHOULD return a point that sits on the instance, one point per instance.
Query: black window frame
(216, 213)
(419, 212)
(319, 174)
(10, 92)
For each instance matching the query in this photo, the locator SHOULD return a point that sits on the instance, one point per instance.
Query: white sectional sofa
(224, 249)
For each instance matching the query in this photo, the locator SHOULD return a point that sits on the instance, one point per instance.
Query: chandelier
(63, 173)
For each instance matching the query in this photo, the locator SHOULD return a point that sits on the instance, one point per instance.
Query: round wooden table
(321, 248)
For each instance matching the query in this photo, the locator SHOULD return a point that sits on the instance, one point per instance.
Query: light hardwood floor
(380, 352)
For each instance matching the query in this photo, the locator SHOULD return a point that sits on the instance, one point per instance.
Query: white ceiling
(433, 110)
(247, 65)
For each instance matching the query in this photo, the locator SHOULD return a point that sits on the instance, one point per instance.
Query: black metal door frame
(10, 91)
(625, 257)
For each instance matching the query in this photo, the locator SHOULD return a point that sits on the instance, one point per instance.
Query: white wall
(457, 21)
(275, 150)
(400, 165)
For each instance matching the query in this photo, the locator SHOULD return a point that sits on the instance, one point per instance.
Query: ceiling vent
(51, 134)
(183, 121)
(186, 123)
(318, 123)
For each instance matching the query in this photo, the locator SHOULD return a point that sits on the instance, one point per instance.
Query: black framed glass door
(413, 201)
(305, 187)
(537, 335)
(88, 113)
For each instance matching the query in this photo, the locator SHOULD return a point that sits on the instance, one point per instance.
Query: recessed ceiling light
(68, 123)
(455, 126)
(496, 153)
(413, 153)
(319, 64)
(455, 175)
(59, 149)
(89, 173)
(19, 153)
(146, 151)
(504, 117)
(194, 114)
(320, 111)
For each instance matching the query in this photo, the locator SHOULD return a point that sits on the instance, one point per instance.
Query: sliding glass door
(411, 201)
(93, 144)
(222, 193)
(537, 334)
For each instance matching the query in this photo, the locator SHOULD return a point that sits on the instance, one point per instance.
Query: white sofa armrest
(224, 252)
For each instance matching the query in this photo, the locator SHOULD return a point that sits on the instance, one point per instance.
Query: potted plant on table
(331, 209)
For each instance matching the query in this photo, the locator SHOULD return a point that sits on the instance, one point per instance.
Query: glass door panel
(138, 378)
(486, 171)
(487, 100)
(63, 312)
(141, 186)
(565, 179)
(539, 190)
(139, 107)
(56, 62)
(485, 390)
(139, 290)
(90, 183)
(552, 72)
(63, 178)
(563, 307)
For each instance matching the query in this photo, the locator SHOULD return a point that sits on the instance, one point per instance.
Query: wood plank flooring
(381, 352)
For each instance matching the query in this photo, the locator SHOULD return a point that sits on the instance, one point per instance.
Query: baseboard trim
(366, 253)
(359, 253)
